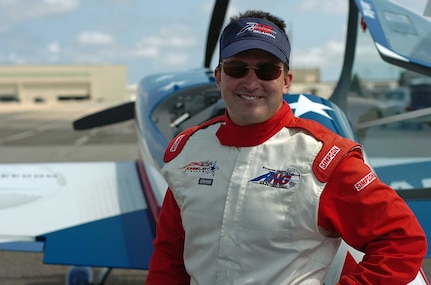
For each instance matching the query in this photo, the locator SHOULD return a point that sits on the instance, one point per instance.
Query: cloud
(13, 12)
(95, 38)
(178, 36)
(168, 46)
(61, 5)
(52, 53)
(177, 59)
(328, 58)
(53, 48)
(19, 10)
(207, 8)
(145, 52)
(15, 58)
(328, 7)
(319, 56)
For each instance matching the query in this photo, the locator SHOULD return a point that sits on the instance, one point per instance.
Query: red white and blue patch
(206, 167)
(285, 179)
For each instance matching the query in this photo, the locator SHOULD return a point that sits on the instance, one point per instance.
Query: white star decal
(305, 105)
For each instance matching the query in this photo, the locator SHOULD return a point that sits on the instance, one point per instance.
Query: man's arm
(167, 263)
(371, 217)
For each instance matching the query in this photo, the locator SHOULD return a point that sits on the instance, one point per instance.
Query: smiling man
(284, 191)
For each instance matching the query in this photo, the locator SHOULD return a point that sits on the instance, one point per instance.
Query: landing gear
(78, 275)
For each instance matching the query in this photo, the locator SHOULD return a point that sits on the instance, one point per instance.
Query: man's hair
(262, 15)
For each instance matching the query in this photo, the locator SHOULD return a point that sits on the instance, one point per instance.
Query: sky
(159, 36)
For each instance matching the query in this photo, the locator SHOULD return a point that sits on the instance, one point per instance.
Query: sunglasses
(265, 71)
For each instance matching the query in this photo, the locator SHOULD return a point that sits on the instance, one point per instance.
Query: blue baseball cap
(254, 33)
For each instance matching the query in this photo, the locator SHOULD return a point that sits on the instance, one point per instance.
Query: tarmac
(35, 133)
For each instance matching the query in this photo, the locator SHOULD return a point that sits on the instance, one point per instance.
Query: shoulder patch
(327, 159)
(178, 143)
(365, 181)
(331, 154)
(334, 149)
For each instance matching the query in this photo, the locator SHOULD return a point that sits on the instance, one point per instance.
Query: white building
(54, 83)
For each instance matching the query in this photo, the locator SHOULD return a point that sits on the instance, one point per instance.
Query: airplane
(103, 214)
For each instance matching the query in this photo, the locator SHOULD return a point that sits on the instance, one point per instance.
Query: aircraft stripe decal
(148, 192)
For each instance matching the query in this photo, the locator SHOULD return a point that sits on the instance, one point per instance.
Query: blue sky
(158, 36)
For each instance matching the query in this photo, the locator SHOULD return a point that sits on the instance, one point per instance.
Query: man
(258, 196)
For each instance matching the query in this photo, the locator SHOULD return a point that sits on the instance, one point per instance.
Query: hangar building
(56, 83)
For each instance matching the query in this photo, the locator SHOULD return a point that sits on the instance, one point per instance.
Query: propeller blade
(216, 24)
(395, 118)
(109, 116)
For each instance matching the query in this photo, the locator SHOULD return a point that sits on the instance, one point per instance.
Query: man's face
(250, 100)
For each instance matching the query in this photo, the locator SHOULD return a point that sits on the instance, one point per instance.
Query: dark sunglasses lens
(234, 69)
(268, 72)
(263, 71)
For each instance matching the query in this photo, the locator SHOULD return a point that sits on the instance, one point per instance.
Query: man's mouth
(248, 97)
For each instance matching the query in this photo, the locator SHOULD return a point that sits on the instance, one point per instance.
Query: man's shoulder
(178, 143)
(334, 147)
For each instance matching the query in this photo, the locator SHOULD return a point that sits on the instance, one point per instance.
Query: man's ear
(287, 81)
(217, 76)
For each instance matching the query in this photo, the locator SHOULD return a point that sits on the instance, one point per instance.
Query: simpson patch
(364, 182)
(329, 157)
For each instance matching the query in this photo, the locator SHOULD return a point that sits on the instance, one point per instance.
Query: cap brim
(248, 44)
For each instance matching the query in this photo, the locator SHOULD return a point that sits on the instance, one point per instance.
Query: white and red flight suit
(268, 204)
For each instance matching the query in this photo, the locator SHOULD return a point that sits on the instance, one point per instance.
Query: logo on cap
(254, 33)
(258, 28)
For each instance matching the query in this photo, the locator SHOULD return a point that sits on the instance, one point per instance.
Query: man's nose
(251, 80)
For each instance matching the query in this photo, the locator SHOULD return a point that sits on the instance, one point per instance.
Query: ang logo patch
(286, 179)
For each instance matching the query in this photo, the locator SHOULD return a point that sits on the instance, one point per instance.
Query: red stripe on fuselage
(148, 191)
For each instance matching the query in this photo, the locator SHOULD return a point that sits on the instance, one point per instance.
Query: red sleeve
(371, 217)
(167, 263)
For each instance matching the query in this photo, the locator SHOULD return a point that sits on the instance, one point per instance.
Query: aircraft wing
(402, 37)
(90, 214)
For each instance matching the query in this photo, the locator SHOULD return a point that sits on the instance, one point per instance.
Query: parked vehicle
(415, 96)
(420, 94)
(396, 102)
(9, 98)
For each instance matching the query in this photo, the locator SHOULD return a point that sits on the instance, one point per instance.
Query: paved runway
(43, 133)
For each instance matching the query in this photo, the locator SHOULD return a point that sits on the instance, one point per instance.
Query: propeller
(126, 111)
(339, 95)
(108, 116)
(216, 24)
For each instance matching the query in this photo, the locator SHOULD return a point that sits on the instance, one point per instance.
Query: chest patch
(206, 167)
(286, 179)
